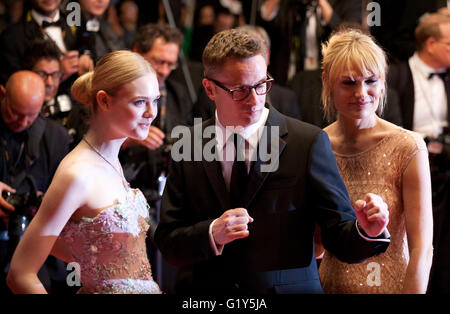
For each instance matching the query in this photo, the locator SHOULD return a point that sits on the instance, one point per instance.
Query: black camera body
(25, 206)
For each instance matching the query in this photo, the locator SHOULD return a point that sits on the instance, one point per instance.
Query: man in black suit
(242, 220)
(423, 86)
(44, 21)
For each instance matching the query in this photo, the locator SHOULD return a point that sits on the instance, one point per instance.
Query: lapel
(214, 168)
(31, 28)
(257, 176)
(407, 95)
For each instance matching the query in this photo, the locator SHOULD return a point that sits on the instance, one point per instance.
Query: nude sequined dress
(378, 170)
(110, 248)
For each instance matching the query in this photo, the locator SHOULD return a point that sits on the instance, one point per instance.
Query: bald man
(31, 148)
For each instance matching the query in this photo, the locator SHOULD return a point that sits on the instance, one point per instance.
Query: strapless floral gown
(110, 248)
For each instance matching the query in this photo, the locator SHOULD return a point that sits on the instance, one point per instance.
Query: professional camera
(25, 206)
(60, 106)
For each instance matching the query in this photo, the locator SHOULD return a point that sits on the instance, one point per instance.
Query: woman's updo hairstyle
(112, 71)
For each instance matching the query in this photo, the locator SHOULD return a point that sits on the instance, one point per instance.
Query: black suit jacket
(286, 204)
(400, 79)
(15, 39)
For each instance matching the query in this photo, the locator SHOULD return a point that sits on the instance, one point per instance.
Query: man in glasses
(239, 226)
(43, 58)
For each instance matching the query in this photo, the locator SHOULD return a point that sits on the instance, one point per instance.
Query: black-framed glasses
(241, 93)
(57, 75)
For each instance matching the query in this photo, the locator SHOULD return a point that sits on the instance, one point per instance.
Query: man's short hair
(41, 49)
(147, 34)
(231, 44)
(429, 27)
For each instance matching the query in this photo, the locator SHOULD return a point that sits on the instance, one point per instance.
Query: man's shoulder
(22, 29)
(54, 130)
(293, 125)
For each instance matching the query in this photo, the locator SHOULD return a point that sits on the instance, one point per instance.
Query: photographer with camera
(297, 28)
(31, 147)
(43, 58)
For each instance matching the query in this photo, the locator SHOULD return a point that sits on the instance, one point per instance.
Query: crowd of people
(307, 133)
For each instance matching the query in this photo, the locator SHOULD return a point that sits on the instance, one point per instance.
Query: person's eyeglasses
(241, 93)
(57, 75)
(159, 63)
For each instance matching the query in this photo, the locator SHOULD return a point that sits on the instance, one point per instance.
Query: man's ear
(210, 88)
(429, 44)
(103, 100)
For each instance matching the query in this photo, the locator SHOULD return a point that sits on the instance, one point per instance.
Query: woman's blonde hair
(112, 71)
(354, 52)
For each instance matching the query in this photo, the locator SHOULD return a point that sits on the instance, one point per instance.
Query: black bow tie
(46, 24)
(442, 75)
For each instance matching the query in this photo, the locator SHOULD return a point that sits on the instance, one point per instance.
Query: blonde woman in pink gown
(376, 156)
(89, 214)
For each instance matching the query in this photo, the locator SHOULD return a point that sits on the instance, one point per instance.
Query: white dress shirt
(226, 152)
(54, 32)
(430, 99)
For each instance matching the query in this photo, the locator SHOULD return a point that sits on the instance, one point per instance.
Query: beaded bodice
(378, 170)
(110, 248)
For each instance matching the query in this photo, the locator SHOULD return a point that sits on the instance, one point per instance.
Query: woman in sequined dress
(376, 156)
(89, 215)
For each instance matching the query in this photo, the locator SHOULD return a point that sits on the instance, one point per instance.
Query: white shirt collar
(424, 69)
(39, 18)
(247, 132)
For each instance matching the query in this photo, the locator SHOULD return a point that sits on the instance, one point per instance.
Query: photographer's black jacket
(45, 145)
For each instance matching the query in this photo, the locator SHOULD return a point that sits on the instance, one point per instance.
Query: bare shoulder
(332, 132)
(76, 169)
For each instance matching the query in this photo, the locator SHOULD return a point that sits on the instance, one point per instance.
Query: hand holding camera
(4, 205)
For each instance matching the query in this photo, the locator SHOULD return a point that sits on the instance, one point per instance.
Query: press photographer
(31, 147)
(297, 28)
(44, 58)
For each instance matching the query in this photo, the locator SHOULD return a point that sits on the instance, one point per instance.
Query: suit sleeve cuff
(217, 249)
(385, 236)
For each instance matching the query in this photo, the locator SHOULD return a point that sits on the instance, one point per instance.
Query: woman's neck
(352, 129)
(106, 144)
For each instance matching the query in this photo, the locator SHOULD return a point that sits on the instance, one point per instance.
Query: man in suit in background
(45, 21)
(243, 221)
(423, 86)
